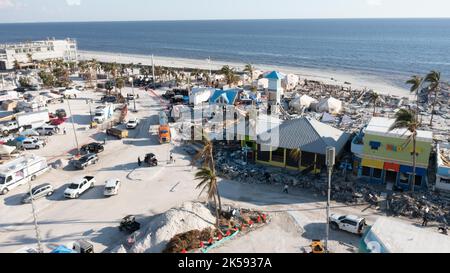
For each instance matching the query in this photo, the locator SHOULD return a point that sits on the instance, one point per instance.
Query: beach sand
(330, 77)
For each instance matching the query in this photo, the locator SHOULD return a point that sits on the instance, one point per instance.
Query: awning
(391, 167)
(371, 163)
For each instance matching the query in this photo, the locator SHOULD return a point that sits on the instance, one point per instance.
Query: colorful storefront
(385, 157)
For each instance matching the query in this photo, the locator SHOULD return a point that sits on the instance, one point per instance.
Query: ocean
(393, 49)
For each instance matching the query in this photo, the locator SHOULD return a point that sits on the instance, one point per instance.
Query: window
(391, 176)
(349, 222)
(365, 171)
(278, 155)
(404, 178)
(418, 180)
(377, 173)
(8, 179)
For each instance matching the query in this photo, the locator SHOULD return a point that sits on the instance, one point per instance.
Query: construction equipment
(316, 247)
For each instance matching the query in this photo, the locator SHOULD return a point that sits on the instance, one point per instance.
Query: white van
(21, 170)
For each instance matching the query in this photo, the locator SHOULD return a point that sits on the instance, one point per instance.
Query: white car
(132, 123)
(112, 187)
(33, 143)
(79, 187)
(350, 223)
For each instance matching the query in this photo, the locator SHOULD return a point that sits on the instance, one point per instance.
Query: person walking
(139, 161)
(425, 217)
(65, 131)
(171, 158)
(286, 188)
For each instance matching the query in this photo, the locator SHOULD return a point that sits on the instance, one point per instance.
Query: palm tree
(416, 83)
(229, 74)
(374, 98)
(207, 154)
(434, 80)
(249, 69)
(208, 183)
(406, 119)
(120, 83)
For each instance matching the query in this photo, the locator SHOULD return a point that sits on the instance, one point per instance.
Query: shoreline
(325, 76)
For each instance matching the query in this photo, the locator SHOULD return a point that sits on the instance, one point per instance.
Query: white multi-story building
(38, 50)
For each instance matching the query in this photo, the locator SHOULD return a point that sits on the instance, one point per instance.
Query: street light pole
(33, 208)
(73, 127)
(330, 161)
(132, 89)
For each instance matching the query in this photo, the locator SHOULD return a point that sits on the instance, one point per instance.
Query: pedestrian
(139, 161)
(64, 131)
(425, 217)
(171, 158)
(286, 188)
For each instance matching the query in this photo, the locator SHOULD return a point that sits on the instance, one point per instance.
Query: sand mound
(189, 216)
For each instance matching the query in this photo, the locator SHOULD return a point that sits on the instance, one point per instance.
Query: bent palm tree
(434, 80)
(406, 119)
(229, 74)
(208, 183)
(415, 82)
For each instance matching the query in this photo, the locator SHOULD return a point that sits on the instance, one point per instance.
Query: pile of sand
(189, 216)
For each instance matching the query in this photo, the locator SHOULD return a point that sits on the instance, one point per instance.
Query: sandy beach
(325, 76)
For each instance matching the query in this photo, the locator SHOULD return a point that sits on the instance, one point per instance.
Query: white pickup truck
(349, 223)
(79, 187)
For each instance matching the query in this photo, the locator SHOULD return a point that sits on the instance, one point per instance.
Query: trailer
(32, 119)
(20, 171)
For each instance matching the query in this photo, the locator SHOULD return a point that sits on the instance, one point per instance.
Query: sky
(12, 11)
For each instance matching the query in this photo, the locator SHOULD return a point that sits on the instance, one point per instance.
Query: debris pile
(414, 206)
(233, 222)
(189, 216)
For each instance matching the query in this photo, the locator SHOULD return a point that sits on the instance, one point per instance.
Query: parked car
(133, 123)
(109, 99)
(112, 187)
(85, 161)
(349, 223)
(130, 97)
(47, 130)
(32, 143)
(79, 187)
(38, 192)
(93, 148)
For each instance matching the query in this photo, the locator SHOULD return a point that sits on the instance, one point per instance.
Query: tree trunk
(432, 109)
(374, 109)
(217, 213)
(414, 162)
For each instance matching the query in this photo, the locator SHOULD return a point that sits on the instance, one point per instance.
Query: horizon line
(230, 19)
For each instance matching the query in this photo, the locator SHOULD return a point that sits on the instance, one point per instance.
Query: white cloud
(374, 2)
(73, 2)
(4, 4)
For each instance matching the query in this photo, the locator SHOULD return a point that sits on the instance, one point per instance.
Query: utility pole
(73, 127)
(153, 72)
(330, 161)
(36, 226)
(209, 65)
